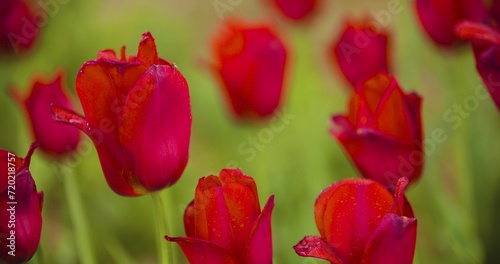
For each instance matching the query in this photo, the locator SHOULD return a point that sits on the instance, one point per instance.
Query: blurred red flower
(486, 45)
(54, 138)
(17, 31)
(250, 61)
(360, 52)
(360, 221)
(296, 9)
(382, 131)
(224, 223)
(21, 207)
(438, 17)
(138, 114)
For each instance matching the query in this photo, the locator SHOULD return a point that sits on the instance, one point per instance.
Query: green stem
(78, 219)
(164, 248)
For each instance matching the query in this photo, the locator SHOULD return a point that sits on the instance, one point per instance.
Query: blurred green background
(456, 200)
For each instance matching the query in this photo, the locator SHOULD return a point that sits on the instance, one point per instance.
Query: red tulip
(17, 31)
(296, 9)
(438, 17)
(21, 206)
(495, 10)
(138, 114)
(360, 53)
(486, 45)
(250, 60)
(224, 223)
(54, 138)
(360, 221)
(382, 131)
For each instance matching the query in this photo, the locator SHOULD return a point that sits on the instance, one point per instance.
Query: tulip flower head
(486, 45)
(138, 114)
(17, 32)
(224, 223)
(54, 138)
(360, 221)
(382, 131)
(21, 207)
(297, 10)
(250, 62)
(438, 17)
(360, 53)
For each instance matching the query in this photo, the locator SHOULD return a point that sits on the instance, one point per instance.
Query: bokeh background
(456, 200)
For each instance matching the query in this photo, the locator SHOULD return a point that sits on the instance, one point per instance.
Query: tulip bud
(382, 131)
(224, 223)
(17, 30)
(250, 62)
(360, 53)
(21, 206)
(360, 221)
(296, 9)
(55, 139)
(138, 114)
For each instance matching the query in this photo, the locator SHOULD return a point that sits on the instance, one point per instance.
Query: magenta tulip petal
(157, 111)
(393, 242)
(199, 251)
(260, 247)
(316, 247)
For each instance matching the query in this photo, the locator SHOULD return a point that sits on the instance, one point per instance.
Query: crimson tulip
(382, 131)
(296, 9)
(250, 61)
(21, 207)
(138, 114)
(360, 52)
(54, 138)
(17, 31)
(224, 223)
(486, 45)
(360, 221)
(438, 17)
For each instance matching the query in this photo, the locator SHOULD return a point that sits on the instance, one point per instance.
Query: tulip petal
(471, 30)
(156, 126)
(486, 45)
(147, 53)
(357, 201)
(376, 156)
(28, 219)
(63, 115)
(117, 177)
(393, 242)
(212, 218)
(189, 220)
(242, 201)
(414, 106)
(392, 117)
(316, 247)
(199, 251)
(259, 249)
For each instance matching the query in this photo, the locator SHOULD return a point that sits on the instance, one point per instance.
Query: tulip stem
(78, 218)
(164, 248)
